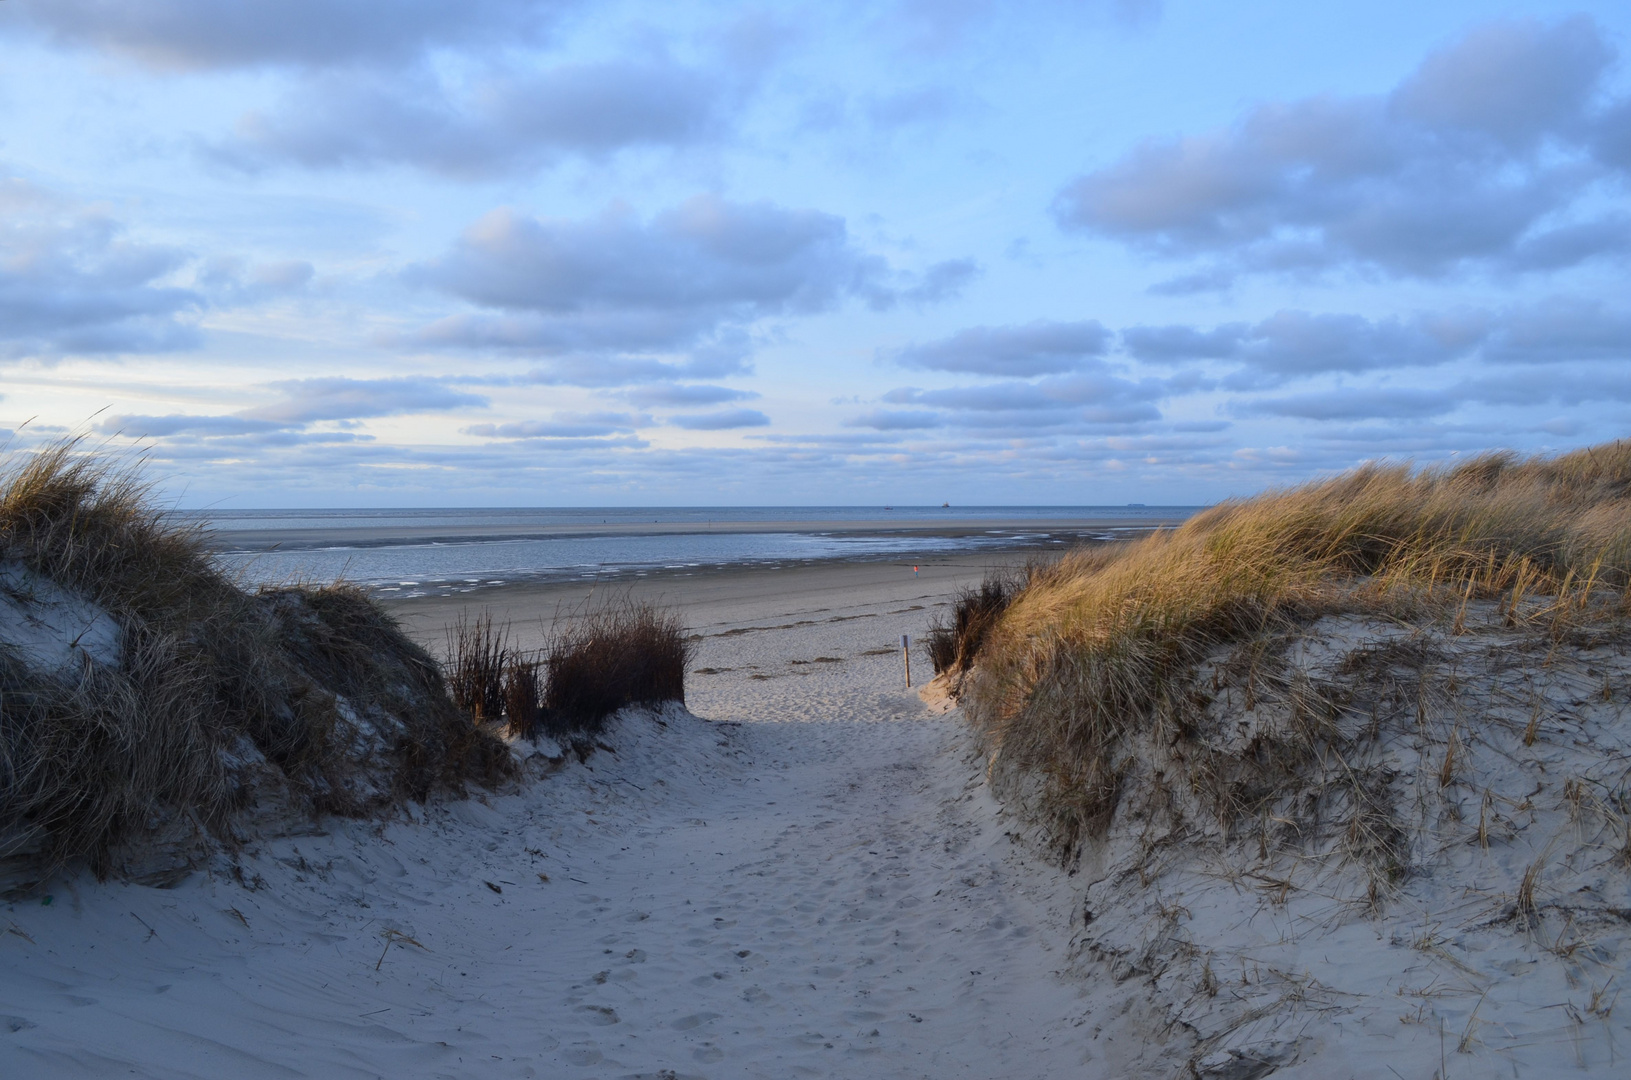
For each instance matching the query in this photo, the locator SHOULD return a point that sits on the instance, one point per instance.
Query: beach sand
(808, 880)
(805, 874)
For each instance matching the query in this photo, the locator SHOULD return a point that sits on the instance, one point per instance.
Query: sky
(557, 253)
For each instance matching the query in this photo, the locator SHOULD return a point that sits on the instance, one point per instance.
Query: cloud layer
(191, 34)
(1486, 156)
(485, 125)
(72, 280)
(690, 279)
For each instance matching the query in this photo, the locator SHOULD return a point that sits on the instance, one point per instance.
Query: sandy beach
(805, 877)
(804, 872)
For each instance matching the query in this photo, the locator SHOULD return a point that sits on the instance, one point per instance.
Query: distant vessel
(945, 506)
(1135, 504)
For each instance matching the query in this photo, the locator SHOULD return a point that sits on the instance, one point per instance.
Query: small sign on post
(906, 654)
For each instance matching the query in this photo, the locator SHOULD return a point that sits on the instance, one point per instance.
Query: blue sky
(545, 252)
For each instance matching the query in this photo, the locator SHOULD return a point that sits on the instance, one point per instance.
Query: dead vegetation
(218, 703)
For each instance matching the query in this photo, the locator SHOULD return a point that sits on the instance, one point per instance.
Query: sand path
(810, 882)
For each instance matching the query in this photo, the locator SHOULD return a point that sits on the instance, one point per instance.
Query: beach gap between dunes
(811, 881)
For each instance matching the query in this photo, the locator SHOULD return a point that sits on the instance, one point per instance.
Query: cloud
(1179, 344)
(304, 402)
(1354, 403)
(142, 427)
(704, 254)
(307, 401)
(231, 281)
(1300, 343)
(494, 124)
(191, 34)
(561, 426)
(691, 278)
(681, 396)
(1296, 343)
(1096, 397)
(1533, 386)
(1488, 155)
(897, 420)
(1038, 348)
(72, 281)
(942, 281)
(1560, 329)
(1515, 82)
(722, 420)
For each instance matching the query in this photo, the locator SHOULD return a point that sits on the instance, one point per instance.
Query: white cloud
(1487, 156)
(691, 279)
(483, 126)
(1037, 348)
(723, 420)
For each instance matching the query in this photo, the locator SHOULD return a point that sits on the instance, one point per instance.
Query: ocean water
(421, 552)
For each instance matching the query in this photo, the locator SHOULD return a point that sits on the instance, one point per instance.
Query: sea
(420, 552)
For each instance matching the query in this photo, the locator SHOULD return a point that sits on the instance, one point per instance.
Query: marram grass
(1104, 649)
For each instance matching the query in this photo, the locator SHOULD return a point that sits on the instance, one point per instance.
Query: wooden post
(906, 653)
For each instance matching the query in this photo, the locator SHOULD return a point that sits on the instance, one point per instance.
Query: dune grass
(319, 682)
(1106, 648)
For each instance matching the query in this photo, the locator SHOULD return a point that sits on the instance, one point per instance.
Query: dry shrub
(1102, 652)
(595, 661)
(478, 654)
(523, 696)
(601, 659)
(318, 682)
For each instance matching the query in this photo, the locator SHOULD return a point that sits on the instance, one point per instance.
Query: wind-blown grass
(1105, 648)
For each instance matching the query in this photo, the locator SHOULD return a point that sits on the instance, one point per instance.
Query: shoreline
(712, 597)
(301, 539)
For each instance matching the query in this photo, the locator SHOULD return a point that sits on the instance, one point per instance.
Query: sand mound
(151, 710)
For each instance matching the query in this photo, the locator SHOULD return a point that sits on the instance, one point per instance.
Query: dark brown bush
(523, 696)
(477, 655)
(600, 660)
(954, 643)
